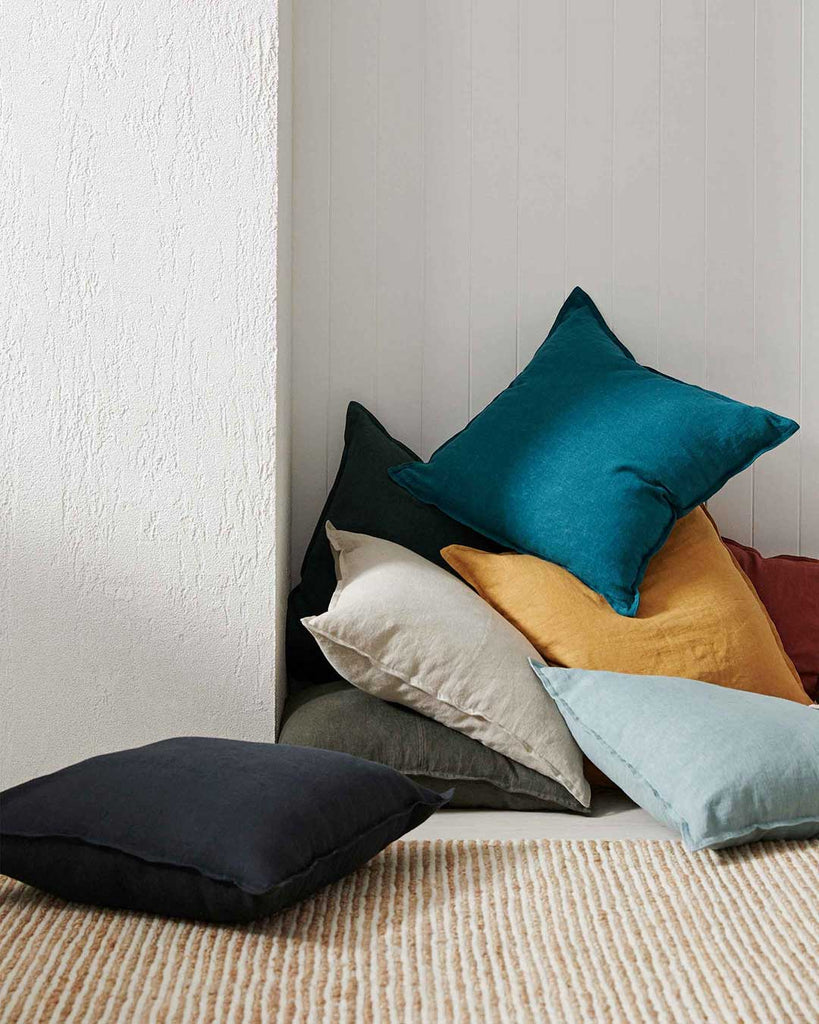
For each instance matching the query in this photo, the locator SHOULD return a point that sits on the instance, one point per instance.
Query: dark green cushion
(363, 499)
(337, 716)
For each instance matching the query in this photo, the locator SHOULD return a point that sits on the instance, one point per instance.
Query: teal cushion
(588, 458)
(723, 767)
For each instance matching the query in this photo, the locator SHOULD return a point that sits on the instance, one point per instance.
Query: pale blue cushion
(723, 767)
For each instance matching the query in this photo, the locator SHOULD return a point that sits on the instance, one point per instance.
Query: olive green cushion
(337, 716)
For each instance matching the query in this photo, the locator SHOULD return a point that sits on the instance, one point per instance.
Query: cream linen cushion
(403, 629)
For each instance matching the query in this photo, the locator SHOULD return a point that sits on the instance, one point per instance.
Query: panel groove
(424, 337)
(376, 248)
(327, 469)
(517, 199)
(471, 196)
(752, 470)
(566, 148)
(809, 483)
(730, 239)
(612, 313)
(777, 264)
(800, 549)
(705, 134)
(399, 222)
(311, 319)
(659, 177)
(636, 140)
(681, 227)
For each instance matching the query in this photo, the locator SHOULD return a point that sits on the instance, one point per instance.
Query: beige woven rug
(564, 931)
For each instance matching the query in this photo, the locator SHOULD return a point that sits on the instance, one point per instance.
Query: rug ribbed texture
(565, 931)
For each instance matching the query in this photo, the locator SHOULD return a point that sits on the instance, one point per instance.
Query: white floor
(613, 816)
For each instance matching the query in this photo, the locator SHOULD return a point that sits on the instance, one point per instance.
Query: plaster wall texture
(139, 511)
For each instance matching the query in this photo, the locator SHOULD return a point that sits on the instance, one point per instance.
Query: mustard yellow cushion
(699, 616)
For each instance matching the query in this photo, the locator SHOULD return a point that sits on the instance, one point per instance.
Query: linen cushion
(338, 716)
(363, 498)
(402, 629)
(722, 766)
(788, 586)
(221, 830)
(699, 617)
(588, 458)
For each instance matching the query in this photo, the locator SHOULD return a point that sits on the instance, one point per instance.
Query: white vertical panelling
(809, 417)
(636, 176)
(284, 346)
(682, 195)
(589, 88)
(447, 175)
(400, 219)
(778, 271)
(730, 230)
(493, 280)
(353, 169)
(311, 265)
(541, 171)
(460, 164)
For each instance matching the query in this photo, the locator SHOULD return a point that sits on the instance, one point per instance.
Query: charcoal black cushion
(212, 829)
(363, 499)
(337, 716)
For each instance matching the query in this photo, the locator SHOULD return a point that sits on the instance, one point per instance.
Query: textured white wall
(138, 566)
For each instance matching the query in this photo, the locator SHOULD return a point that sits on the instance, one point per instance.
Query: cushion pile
(583, 486)
(363, 499)
(572, 506)
(404, 630)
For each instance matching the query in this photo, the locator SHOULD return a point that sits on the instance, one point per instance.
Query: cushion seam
(301, 872)
(680, 822)
(558, 776)
(767, 825)
(435, 773)
(432, 772)
(318, 533)
(789, 431)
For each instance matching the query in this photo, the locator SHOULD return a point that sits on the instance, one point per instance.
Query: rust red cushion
(788, 586)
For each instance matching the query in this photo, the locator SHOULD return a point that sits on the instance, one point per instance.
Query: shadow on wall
(103, 653)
